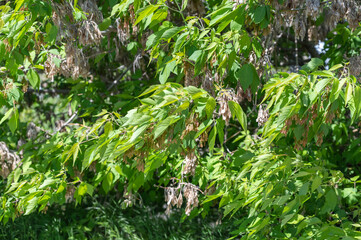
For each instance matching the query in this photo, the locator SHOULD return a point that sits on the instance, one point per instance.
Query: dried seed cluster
(87, 30)
(263, 116)
(223, 98)
(159, 144)
(191, 124)
(129, 197)
(69, 195)
(307, 121)
(32, 131)
(191, 194)
(89, 33)
(9, 160)
(173, 197)
(190, 163)
(301, 14)
(203, 138)
(126, 27)
(75, 64)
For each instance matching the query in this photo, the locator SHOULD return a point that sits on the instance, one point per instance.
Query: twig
(234, 135)
(115, 82)
(67, 122)
(62, 91)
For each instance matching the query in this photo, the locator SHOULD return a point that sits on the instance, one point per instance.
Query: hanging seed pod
(32, 131)
(51, 69)
(223, 97)
(299, 26)
(9, 160)
(190, 164)
(69, 195)
(263, 116)
(191, 195)
(123, 30)
(89, 33)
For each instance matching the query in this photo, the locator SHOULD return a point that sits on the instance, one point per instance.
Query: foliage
(200, 100)
(96, 220)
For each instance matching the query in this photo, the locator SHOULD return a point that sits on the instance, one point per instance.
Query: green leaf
(14, 121)
(150, 90)
(171, 32)
(312, 65)
(7, 115)
(32, 203)
(139, 180)
(324, 73)
(316, 183)
(322, 84)
(195, 56)
(34, 78)
(219, 15)
(257, 47)
(166, 71)
(136, 5)
(204, 126)
(357, 101)
(287, 218)
(51, 37)
(212, 197)
(335, 67)
(48, 182)
(163, 125)
(330, 202)
(107, 182)
(82, 189)
(226, 20)
(247, 75)
(259, 14)
(241, 156)
(212, 138)
(158, 17)
(145, 12)
(19, 3)
(304, 189)
(210, 106)
(298, 218)
(237, 111)
(154, 38)
(184, 4)
(180, 40)
(138, 133)
(76, 151)
(105, 24)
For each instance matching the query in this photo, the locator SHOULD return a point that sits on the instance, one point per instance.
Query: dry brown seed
(190, 164)
(263, 116)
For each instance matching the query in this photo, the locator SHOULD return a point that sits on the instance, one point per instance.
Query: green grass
(95, 220)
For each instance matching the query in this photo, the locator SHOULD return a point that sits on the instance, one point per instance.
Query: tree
(218, 104)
